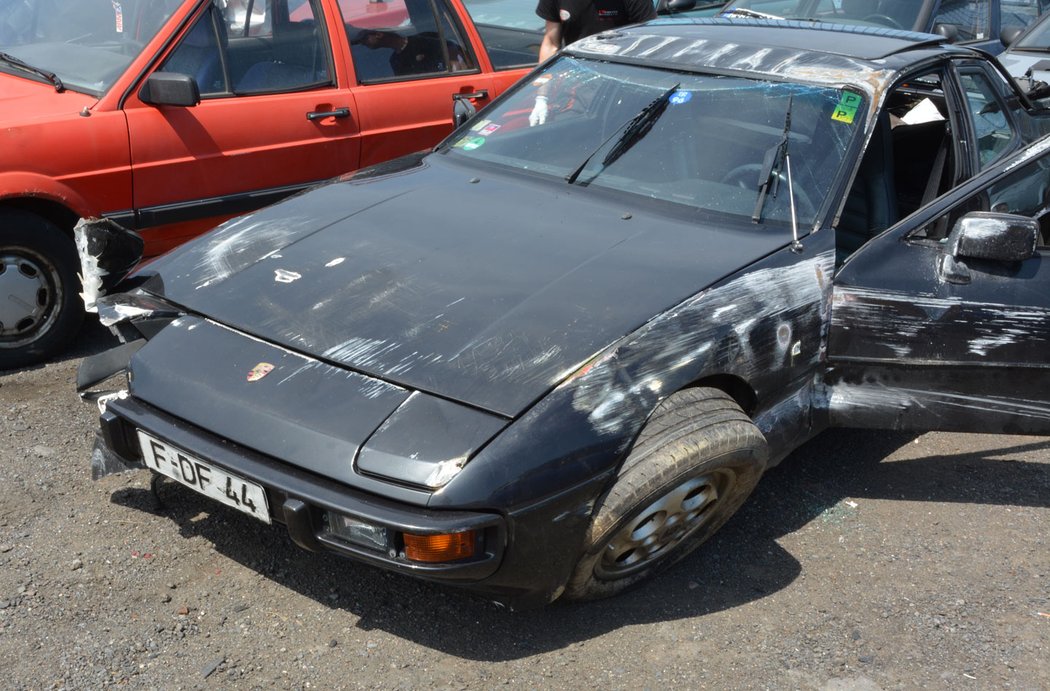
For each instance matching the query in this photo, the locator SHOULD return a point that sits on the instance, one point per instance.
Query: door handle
(321, 114)
(480, 93)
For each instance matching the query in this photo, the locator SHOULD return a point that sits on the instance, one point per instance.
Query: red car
(169, 116)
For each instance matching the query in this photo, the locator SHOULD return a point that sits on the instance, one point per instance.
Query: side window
(276, 45)
(199, 55)
(511, 32)
(972, 19)
(908, 162)
(1025, 192)
(403, 39)
(255, 46)
(987, 112)
(1018, 14)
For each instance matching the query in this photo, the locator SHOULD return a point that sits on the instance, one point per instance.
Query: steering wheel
(746, 177)
(884, 19)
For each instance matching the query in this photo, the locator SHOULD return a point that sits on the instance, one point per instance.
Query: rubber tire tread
(26, 229)
(692, 432)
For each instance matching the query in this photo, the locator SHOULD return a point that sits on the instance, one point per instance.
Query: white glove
(538, 116)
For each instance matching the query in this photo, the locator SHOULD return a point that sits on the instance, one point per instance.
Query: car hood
(23, 99)
(485, 289)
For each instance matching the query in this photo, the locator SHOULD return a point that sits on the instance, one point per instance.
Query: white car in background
(1028, 52)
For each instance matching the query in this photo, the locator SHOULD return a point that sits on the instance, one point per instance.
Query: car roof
(802, 50)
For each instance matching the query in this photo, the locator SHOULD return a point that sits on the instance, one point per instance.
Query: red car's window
(255, 46)
(403, 39)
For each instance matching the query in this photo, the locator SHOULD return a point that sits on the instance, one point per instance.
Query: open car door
(943, 321)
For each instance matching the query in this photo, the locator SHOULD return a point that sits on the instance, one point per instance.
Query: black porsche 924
(547, 361)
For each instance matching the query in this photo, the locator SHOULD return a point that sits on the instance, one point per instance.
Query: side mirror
(1009, 34)
(170, 89)
(949, 31)
(462, 110)
(672, 6)
(987, 236)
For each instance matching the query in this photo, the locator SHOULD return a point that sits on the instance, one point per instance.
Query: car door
(413, 60)
(271, 119)
(943, 322)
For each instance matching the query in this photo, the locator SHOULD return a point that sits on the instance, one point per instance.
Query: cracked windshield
(75, 44)
(725, 145)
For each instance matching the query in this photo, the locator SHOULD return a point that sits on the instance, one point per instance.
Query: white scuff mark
(455, 302)
(689, 335)
(717, 314)
(235, 238)
(444, 471)
(845, 397)
(360, 351)
(980, 346)
(104, 400)
(335, 262)
(91, 274)
(118, 313)
(285, 276)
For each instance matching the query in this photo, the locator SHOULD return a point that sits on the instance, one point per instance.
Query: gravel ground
(866, 560)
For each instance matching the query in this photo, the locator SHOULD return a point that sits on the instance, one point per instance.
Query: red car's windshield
(87, 45)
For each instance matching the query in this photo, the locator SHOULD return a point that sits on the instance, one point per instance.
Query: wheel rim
(29, 292)
(664, 524)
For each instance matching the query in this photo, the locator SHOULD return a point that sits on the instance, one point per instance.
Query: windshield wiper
(771, 173)
(633, 131)
(49, 76)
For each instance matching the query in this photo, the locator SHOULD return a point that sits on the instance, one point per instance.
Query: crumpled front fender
(108, 253)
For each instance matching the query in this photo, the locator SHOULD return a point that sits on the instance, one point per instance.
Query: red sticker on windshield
(119, 16)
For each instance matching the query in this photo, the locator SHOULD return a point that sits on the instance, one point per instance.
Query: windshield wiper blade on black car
(49, 76)
(633, 131)
(769, 174)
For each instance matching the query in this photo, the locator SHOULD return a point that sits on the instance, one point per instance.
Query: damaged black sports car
(556, 354)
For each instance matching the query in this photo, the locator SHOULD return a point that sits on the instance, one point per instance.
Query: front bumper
(300, 499)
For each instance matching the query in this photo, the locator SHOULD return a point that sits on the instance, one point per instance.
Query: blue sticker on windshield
(680, 97)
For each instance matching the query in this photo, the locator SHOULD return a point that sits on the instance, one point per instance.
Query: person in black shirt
(571, 20)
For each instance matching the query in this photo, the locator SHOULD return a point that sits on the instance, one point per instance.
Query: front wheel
(39, 308)
(693, 465)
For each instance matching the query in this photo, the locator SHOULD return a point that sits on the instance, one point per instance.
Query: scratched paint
(876, 325)
(701, 337)
(718, 54)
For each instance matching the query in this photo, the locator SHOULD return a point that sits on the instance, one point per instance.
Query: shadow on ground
(742, 563)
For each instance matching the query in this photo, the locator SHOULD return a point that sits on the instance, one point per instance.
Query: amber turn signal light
(442, 547)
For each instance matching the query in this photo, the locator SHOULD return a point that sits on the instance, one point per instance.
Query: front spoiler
(299, 499)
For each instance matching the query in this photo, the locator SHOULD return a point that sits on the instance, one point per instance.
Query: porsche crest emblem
(259, 371)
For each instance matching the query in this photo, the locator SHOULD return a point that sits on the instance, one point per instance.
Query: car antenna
(796, 246)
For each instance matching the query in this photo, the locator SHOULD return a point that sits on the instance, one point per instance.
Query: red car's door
(273, 118)
(412, 59)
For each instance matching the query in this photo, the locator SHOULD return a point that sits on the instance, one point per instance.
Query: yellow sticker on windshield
(846, 109)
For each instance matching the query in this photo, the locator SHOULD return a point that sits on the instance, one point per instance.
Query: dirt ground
(866, 560)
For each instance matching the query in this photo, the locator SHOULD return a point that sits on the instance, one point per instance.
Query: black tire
(693, 465)
(40, 310)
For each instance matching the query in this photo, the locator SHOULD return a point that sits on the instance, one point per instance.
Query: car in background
(547, 361)
(1027, 53)
(977, 23)
(169, 116)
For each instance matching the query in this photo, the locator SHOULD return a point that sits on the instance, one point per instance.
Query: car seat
(871, 206)
(199, 55)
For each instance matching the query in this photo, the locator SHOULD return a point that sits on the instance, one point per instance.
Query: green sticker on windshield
(846, 109)
(472, 143)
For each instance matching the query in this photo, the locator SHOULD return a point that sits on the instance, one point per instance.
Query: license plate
(204, 477)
